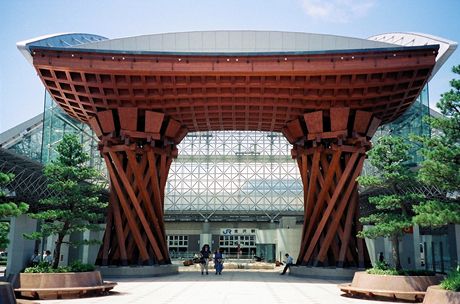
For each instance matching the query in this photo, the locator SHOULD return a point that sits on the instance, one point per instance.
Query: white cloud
(337, 11)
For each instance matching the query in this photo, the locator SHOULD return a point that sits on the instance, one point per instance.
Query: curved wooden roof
(236, 91)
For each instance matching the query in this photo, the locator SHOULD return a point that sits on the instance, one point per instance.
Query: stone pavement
(237, 286)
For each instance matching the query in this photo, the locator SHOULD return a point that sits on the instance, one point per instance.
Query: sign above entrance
(233, 231)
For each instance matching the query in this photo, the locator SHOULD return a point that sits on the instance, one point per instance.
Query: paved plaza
(238, 286)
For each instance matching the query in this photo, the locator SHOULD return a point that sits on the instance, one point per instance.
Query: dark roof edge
(433, 47)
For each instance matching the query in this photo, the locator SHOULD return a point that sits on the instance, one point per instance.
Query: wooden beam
(345, 200)
(106, 121)
(128, 118)
(127, 211)
(314, 121)
(337, 192)
(136, 204)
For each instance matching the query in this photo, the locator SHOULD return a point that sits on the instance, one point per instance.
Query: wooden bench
(416, 296)
(63, 292)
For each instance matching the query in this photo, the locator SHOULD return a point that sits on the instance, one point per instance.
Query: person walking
(218, 261)
(205, 253)
(289, 262)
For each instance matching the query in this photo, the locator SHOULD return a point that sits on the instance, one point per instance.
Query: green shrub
(78, 266)
(382, 268)
(452, 282)
(390, 271)
(44, 267)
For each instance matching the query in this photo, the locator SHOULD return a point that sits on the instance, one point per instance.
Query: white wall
(19, 249)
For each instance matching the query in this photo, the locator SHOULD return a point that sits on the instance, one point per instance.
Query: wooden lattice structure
(330, 158)
(328, 104)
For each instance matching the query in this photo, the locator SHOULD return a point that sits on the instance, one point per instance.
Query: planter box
(400, 287)
(437, 295)
(61, 285)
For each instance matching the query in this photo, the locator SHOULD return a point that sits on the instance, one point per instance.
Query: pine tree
(7, 208)
(441, 167)
(394, 210)
(76, 206)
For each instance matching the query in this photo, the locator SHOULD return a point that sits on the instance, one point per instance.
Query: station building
(237, 190)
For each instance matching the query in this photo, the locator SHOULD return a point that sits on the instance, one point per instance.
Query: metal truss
(29, 184)
(235, 172)
(429, 192)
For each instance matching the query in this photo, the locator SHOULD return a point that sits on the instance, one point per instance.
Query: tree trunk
(395, 252)
(57, 250)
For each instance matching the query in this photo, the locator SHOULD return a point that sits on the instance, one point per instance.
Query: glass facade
(56, 124)
(411, 122)
(234, 171)
(30, 146)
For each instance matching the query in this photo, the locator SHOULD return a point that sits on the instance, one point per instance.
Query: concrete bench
(406, 295)
(61, 285)
(64, 292)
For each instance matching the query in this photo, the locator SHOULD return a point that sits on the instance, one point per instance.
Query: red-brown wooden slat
(314, 121)
(339, 118)
(172, 129)
(362, 120)
(106, 121)
(319, 203)
(295, 129)
(340, 231)
(126, 208)
(128, 118)
(347, 231)
(153, 121)
(156, 218)
(108, 232)
(120, 237)
(342, 205)
(94, 124)
(337, 192)
(375, 124)
(139, 211)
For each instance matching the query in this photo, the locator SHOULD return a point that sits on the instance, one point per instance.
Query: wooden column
(138, 147)
(330, 148)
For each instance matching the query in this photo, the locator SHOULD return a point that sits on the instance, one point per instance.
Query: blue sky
(21, 92)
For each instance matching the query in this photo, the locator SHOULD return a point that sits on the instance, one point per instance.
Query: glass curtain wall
(234, 171)
(30, 146)
(411, 122)
(56, 124)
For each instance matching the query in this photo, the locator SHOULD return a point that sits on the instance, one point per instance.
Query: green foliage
(4, 229)
(393, 211)
(437, 213)
(44, 267)
(78, 266)
(7, 208)
(452, 282)
(441, 167)
(384, 225)
(382, 268)
(76, 207)
(389, 156)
